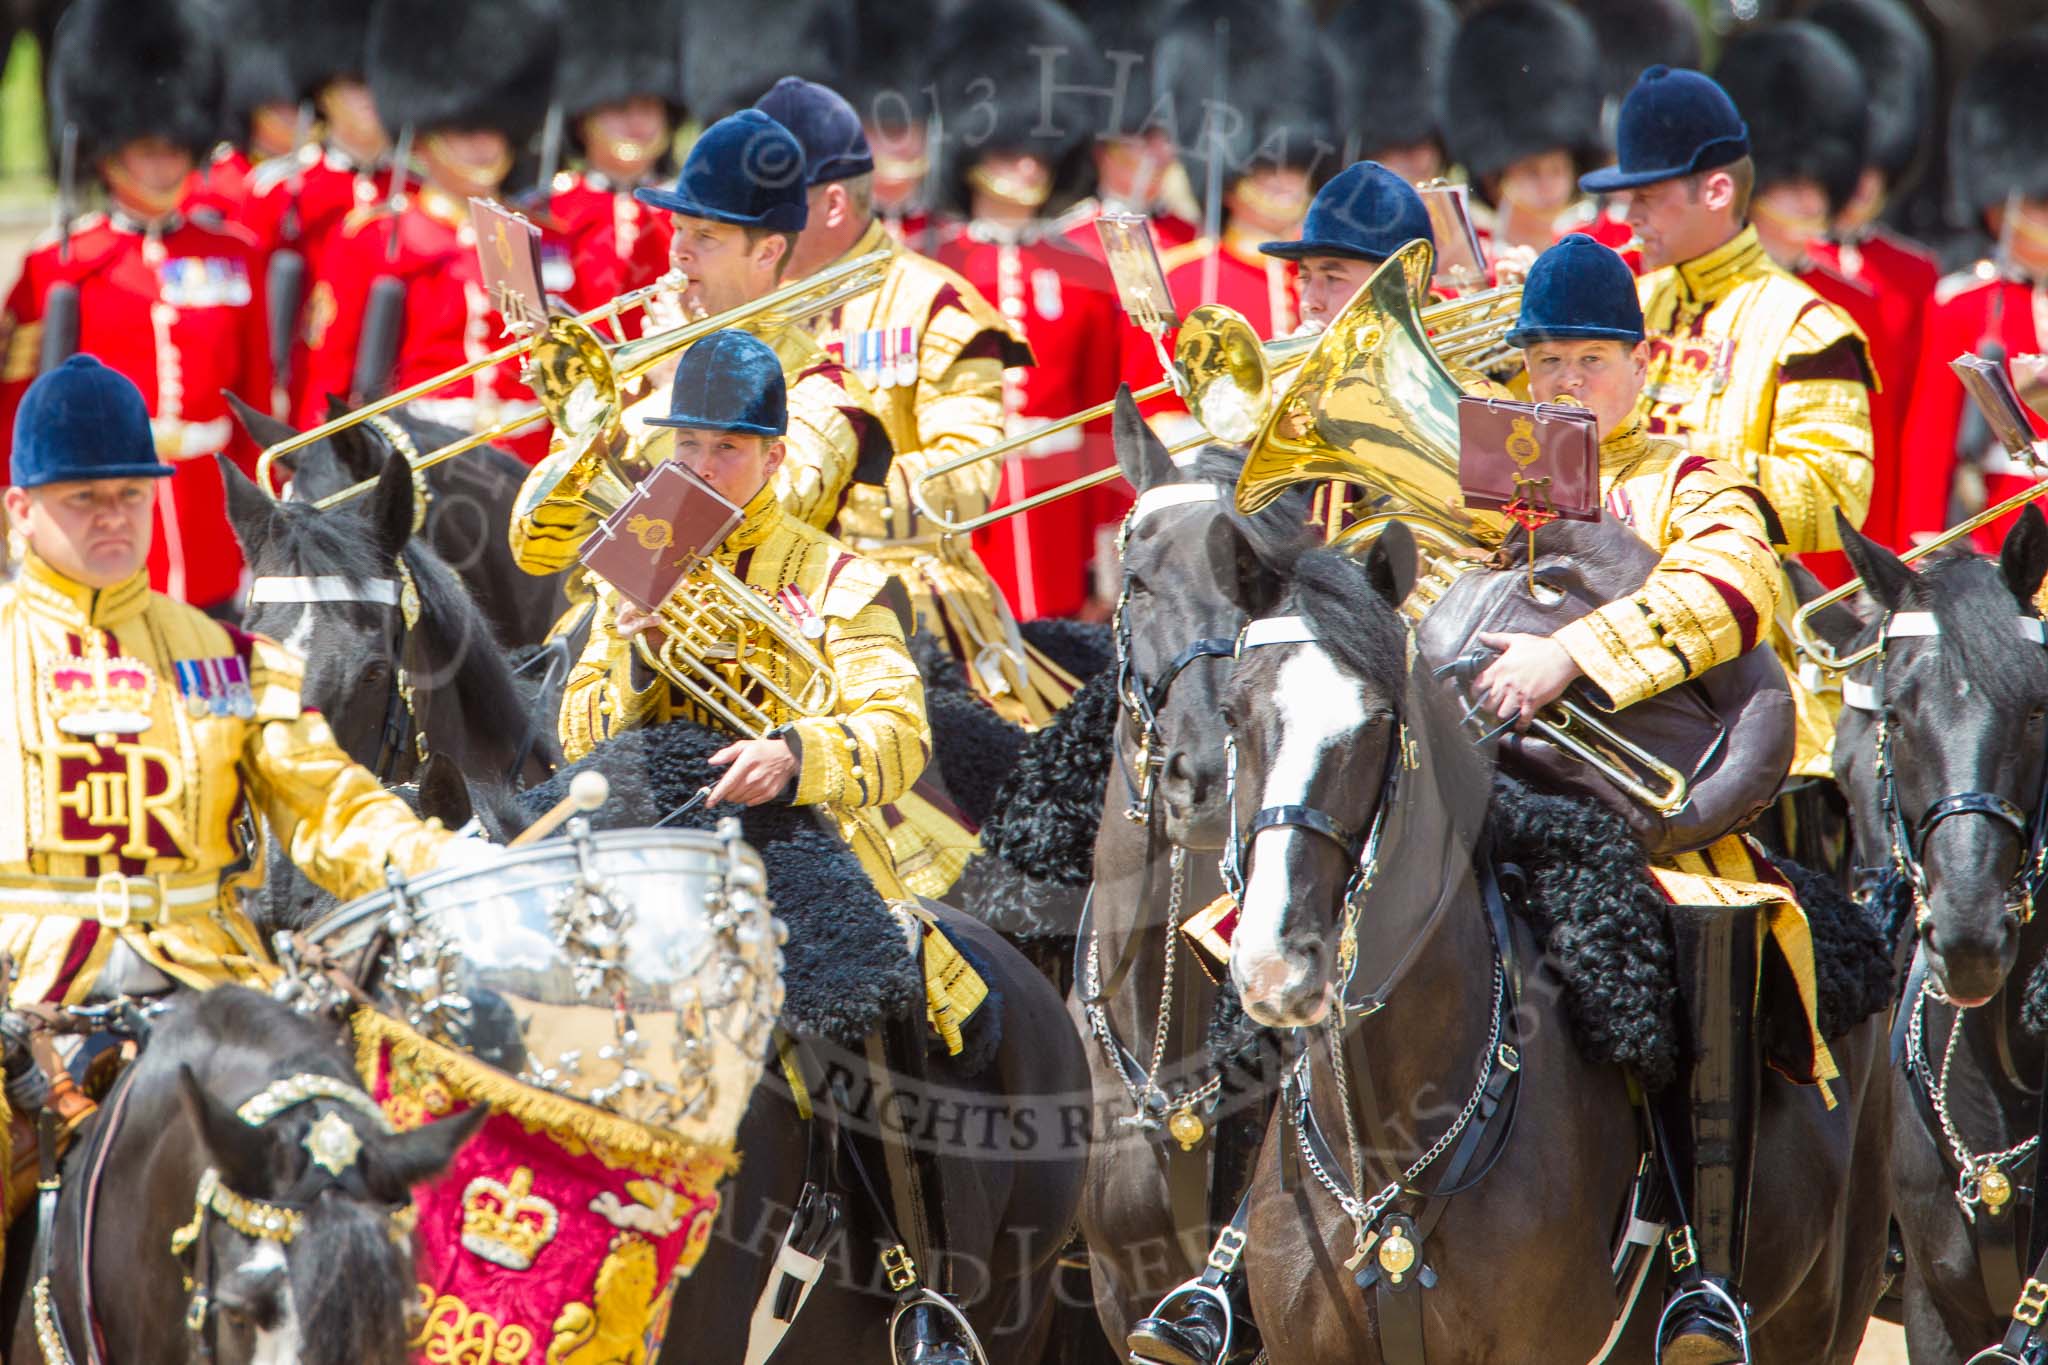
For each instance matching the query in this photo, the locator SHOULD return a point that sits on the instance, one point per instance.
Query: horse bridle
(332, 1144)
(1142, 699)
(1361, 849)
(1908, 841)
(401, 736)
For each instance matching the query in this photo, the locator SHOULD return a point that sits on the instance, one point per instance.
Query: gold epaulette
(1174, 257)
(1961, 282)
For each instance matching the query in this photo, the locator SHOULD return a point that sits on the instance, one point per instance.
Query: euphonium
(1374, 405)
(713, 626)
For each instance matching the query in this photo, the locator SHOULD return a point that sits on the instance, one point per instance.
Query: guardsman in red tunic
(1010, 167)
(1264, 150)
(1898, 60)
(310, 195)
(471, 81)
(259, 116)
(1522, 115)
(620, 90)
(1998, 156)
(1807, 106)
(1393, 54)
(173, 303)
(1632, 34)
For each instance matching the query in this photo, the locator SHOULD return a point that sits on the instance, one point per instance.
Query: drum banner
(559, 1233)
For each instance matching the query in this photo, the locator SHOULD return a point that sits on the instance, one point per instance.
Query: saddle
(1730, 731)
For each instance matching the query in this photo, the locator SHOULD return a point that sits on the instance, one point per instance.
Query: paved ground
(1884, 1346)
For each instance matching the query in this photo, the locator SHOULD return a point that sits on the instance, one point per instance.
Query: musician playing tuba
(1711, 597)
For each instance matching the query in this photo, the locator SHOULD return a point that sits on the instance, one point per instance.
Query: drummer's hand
(631, 621)
(1531, 672)
(760, 769)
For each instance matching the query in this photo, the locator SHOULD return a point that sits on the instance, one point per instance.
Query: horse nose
(1970, 961)
(1187, 776)
(1290, 990)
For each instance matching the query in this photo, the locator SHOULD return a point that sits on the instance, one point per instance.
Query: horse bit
(332, 1144)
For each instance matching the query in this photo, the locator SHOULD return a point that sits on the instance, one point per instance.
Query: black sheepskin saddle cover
(1585, 886)
(846, 968)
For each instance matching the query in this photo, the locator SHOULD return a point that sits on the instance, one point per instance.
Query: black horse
(398, 658)
(468, 504)
(1194, 571)
(237, 1200)
(1426, 1073)
(1940, 749)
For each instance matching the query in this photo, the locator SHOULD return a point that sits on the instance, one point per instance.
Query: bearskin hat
(733, 52)
(329, 41)
(1803, 97)
(1997, 139)
(1524, 79)
(1124, 32)
(465, 64)
(613, 50)
(878, 52)
(1636, 34)
(1897, 58)
(1395, 54)
(254, 36)
(1016, 76)
(1281, 92)
(120, 71)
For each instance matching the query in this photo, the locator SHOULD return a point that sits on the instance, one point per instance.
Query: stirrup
(1998, 1355)
(1714, 1292)
(1166, 1309)
(922, 1297)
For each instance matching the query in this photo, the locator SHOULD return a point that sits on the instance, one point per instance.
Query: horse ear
(2024, 556)
(404, 1160)
(240, 1151)
(444, 792)
(1886, 577)
(1391, 563)
(1139, 454)
(249, 507)
(263, 429)
(391, 506)
(359, 451)
(1840, 624)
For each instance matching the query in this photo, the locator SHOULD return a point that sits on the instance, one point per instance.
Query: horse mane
(1277, 533)
(1334, 593)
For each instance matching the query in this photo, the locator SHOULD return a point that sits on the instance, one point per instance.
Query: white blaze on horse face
(301, 635)
(1320, 707)
(278, 1344)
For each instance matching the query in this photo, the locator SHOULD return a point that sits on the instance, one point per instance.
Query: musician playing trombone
(738, 207)
(932, 350)
(1711, 597)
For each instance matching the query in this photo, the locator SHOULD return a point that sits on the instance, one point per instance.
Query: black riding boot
(1190, 1326)
(927, 1328)
(1705, 1321)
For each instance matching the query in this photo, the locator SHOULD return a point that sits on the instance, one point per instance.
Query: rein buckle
(2033, 1302)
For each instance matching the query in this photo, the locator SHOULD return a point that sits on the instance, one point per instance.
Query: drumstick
(587, 792)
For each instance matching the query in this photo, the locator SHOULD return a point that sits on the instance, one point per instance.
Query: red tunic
(1063, 302)
(1608, 230)
(448, 320)
(1861, 304)
(601, 242)
(181, 314)
(1968, 313)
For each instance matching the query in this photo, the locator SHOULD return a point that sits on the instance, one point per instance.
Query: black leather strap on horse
(1188, 1170)
(2023, 1343)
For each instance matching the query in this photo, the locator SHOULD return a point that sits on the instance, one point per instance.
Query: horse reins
(401, 737)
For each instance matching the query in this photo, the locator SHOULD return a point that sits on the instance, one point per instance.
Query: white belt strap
(1171, 495)
(324, 588)
(1921, 625)
(1276, 630)
(1859, 695)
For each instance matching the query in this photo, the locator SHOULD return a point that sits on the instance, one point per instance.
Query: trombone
(1225, 375)
(577, 376)
(1823, 654)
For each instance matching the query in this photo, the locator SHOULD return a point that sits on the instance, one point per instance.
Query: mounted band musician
(139, 736)
(727, 422)
(1710, 598)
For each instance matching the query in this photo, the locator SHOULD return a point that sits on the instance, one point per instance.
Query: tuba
(1374, 405)
(714, 628)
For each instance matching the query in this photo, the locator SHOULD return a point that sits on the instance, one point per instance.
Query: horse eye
(2035, 716)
